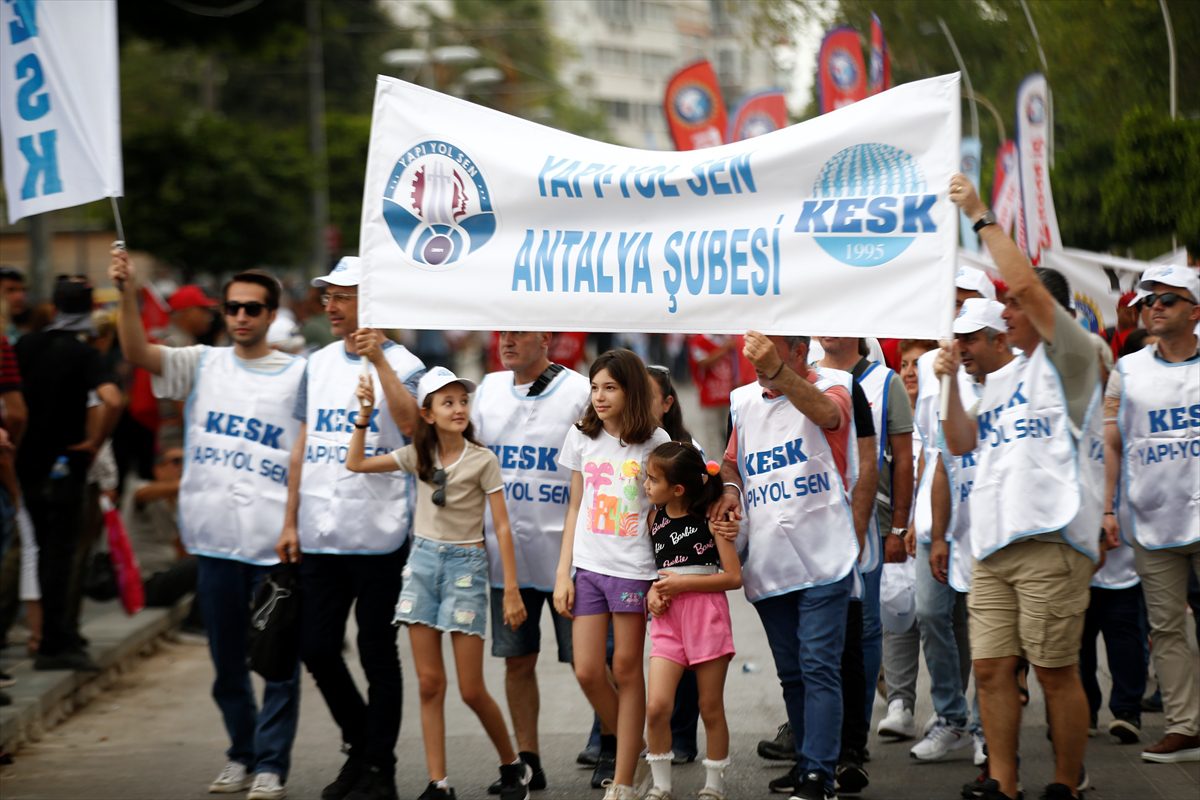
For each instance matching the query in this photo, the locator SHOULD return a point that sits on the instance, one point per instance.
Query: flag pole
(119, 244)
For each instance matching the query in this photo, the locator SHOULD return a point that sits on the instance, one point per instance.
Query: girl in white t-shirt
(445, 587)
(606, 543)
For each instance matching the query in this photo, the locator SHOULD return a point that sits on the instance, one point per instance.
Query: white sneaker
(929, 723)
(898, 723)
(980, 754)
(232, 779)
(266, 786)
(656, 793)
(940, 742)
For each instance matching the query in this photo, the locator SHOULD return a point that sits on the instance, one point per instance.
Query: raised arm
(402, 406)
(785, 379)
(136, 348)
(958, 427)
(356, 460)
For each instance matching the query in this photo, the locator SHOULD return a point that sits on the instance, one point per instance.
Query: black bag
(275, 625)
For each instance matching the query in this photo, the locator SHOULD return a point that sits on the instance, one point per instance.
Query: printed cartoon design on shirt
(614, 511)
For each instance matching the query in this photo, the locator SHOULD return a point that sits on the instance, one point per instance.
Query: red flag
(841, 76)
(695, 111)
(1006, 188)
(881, 61)
(758, 114)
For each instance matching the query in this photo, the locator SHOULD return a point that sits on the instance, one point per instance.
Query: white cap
(435, 379)
(975, 280)
(977, 313)
(348, 272)
(1176, 275)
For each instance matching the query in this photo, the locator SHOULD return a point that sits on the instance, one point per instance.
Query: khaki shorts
(1029, 599)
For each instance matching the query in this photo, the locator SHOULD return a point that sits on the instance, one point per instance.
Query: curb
(41, 700)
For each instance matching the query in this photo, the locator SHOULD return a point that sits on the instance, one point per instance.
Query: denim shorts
(527, 639)
(445, 587)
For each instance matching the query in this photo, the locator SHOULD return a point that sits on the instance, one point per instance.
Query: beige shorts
(1029, 599)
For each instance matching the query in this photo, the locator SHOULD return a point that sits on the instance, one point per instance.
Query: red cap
(1126, 300)
(190, 296)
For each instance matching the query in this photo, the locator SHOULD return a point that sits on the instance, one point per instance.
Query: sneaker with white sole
(898, 724)
(233, 778)
(929, 723)
(980, 746)
(942, 739)
(266, 786)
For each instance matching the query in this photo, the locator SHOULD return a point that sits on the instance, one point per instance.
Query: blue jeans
(806, 630)
(935, 616)
(1120, 615)
(261, 739)
(872, 635)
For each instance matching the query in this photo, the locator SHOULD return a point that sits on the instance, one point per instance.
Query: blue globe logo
(842, 68)
(693, 105)
(1035, 109)
(871, 174)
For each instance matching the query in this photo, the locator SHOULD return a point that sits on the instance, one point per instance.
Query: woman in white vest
(1035, 508)
(1153, 454)
(349, 531)
(788, 471)
(238, 431)
(523, 414)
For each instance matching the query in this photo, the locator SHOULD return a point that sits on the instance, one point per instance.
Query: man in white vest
(945, 562)
(1152, 411)
(1035, 509)
(523, 414)
(238, 432)
(787, 470)
(349, 533)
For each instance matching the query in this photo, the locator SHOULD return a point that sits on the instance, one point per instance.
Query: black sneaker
(6, 680)
(538, 780)
(435, 792)
(988, 789)
(347, 778)
(814, 786)
(5, 700)
(781, 748)
(374, 784)
(851, 776)
(74, 660)
(514, 781)
(588, 756)
(1058, 791)
(606, 769)
(787, 782)
(1127, 728)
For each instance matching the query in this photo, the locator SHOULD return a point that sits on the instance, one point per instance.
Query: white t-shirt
(179, 369)
(610, 531)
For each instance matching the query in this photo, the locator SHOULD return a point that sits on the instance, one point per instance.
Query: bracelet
(735, 486)
(362, 427)
(1110, 513)
(776, 375)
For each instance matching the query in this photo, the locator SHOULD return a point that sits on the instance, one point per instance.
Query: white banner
(1033, 144)
(60, 117)
(838, 226)
(971, 166)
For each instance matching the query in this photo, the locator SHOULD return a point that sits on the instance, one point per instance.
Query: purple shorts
(604, 594)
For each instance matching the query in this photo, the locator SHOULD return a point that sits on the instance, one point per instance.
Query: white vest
(1160, 433)
(925, 420)
(526, 434)
(238, 436)
(801, 528)
(343, 511)
(961, 473)
(875, 381)
(1035, 472)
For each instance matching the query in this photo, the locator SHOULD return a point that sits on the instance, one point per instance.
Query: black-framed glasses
(252, 309)
(438, 479)
(1168, 299)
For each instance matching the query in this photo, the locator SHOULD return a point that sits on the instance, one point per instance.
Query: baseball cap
(1176, 275)
(974, 280)
(978, 313)
(435, 379)
(1127, 299)
(190, 296)
(347, 272)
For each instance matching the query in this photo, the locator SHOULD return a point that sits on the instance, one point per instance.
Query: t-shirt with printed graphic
(610, 532)
(682, 541)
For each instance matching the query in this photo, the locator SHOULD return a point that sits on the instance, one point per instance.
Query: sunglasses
(438, 479)
(1168, 299)
(252, 309)
(659, 368)
(340, 297)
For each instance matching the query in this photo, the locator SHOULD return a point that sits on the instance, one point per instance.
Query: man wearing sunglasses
(1152, 438)
(352, 529)
(239, 432)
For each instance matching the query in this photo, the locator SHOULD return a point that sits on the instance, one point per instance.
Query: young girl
(691, 628)
(446, 580)
(606, 543)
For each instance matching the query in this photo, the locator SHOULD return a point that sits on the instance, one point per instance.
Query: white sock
(714, 774)
(444, 783)
(660, 768)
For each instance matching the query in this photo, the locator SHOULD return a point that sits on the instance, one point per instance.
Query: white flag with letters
(60, 118)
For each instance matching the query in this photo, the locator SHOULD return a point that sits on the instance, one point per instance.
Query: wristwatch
(901, 532)
(988, 218)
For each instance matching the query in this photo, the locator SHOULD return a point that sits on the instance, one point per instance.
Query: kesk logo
(437, 205)
(842, 68)
(693, 104)
(1087, 313)
(754, 125)
(871, 202)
